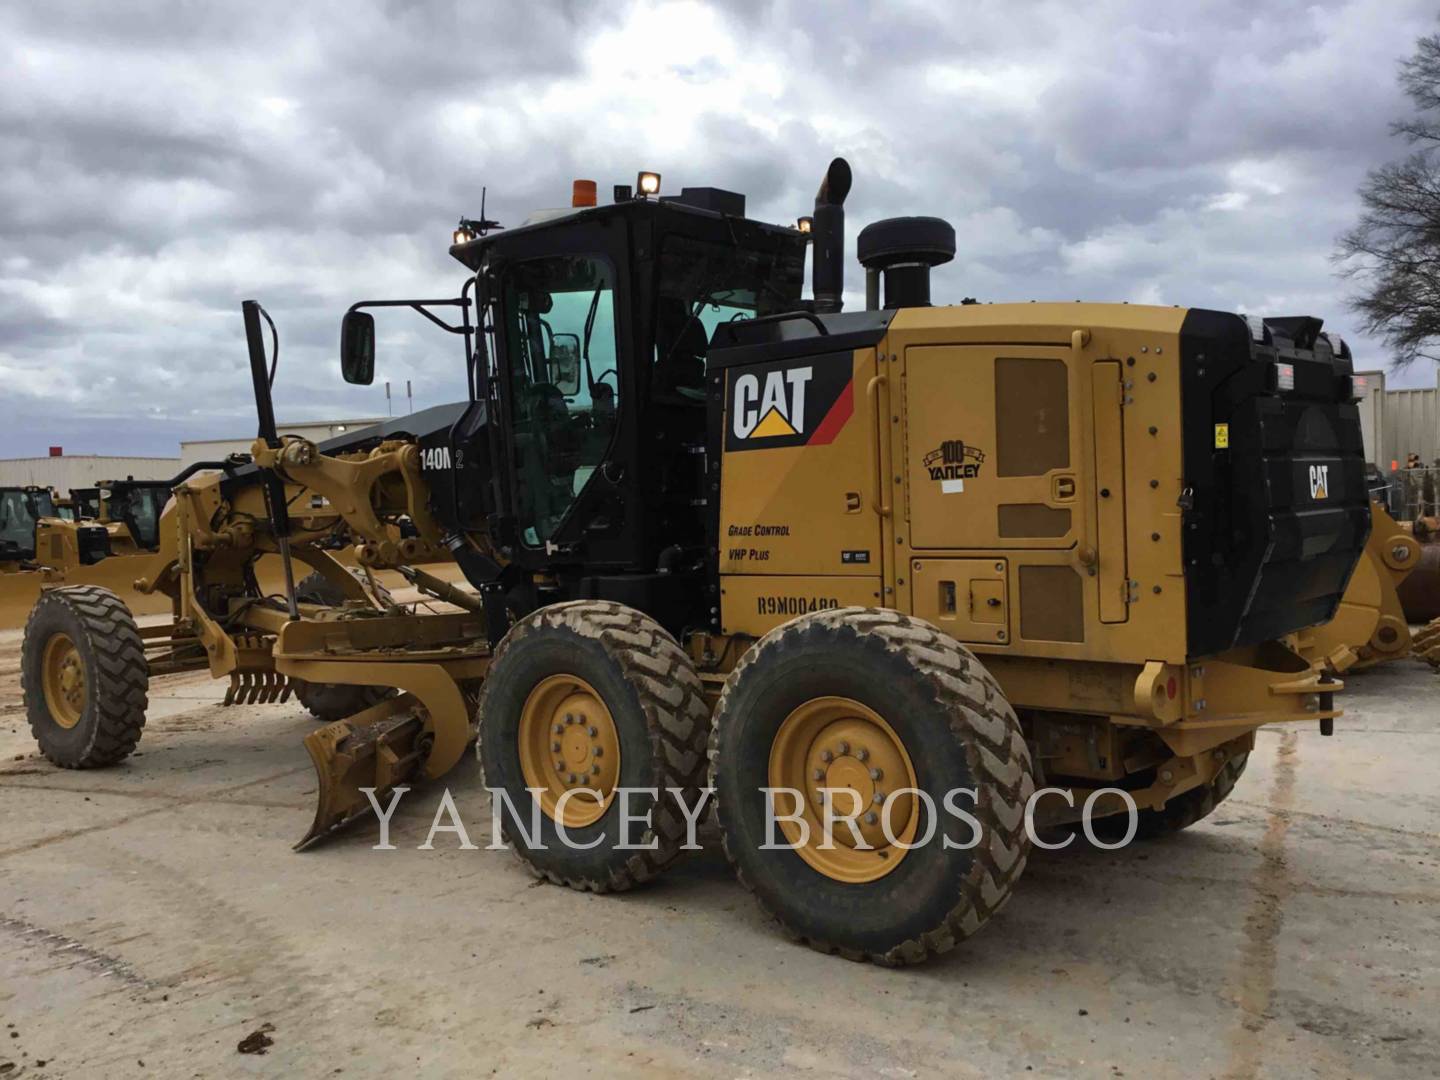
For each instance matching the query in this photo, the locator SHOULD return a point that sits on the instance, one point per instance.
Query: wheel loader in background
(1370, 627)
(21, 511)
(130, 509)
(712, 532)
(94, 538)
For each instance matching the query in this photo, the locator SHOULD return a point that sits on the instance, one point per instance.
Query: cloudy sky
(161, 162)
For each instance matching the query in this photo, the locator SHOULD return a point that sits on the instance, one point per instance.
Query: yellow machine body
(1013, 474)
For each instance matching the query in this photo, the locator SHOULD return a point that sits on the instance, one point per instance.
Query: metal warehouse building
(1400, 422)
(315, 430)
(65, 471)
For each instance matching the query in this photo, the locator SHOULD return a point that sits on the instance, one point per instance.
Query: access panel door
(993, 446)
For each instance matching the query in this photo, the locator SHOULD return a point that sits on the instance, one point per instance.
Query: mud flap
(377, 748)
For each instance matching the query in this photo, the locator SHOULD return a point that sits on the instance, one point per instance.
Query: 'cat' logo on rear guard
(1319, 481)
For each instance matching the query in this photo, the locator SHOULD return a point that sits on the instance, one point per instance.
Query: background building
(65, 471)
(194, 450)
(1398, 423)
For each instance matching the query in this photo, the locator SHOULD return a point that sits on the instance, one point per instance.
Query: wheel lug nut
(844, 747)
(878, 798)
(555, 746)
(595, 769)
(870, 818)
(876, 774)
(570, 718)
(817, 774)
(560, 767)
(559, 729)
(592, 730)
(574, 779)
(599, 751)
(862, 754)
(826, 755)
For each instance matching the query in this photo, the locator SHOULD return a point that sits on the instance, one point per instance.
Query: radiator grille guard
(1276, 512)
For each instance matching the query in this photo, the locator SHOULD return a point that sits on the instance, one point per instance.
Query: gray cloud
(161, 162)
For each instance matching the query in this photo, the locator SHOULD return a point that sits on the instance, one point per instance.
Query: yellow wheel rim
(838, 744)
(568, 742)
(63, 676)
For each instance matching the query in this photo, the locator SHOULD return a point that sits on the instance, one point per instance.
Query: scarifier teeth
(257, 688)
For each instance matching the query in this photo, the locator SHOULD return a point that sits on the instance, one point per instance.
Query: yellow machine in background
(67, 546)
(1369, 627)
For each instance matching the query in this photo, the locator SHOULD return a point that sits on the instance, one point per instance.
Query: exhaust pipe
(827, 272)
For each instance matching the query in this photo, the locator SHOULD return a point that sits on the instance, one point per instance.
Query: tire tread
(673, 702)
(980, 718)
(122, 678)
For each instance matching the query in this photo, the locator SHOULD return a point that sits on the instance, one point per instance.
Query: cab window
(703, 284)
(17, 524)
(565, 383)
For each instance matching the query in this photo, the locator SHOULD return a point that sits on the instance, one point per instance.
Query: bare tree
(1394, 250)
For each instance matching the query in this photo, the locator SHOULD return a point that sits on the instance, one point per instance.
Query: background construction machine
(1370, 626)
(130, 510)
(21, 510)
(92, 538)
(876, 558)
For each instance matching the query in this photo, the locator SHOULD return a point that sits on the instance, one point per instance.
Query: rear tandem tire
(84, 676)
(1179, 813)
(604, 691)
(335, 701)
(874, 702)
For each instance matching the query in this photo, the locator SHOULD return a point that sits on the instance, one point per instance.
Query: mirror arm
(421, 306)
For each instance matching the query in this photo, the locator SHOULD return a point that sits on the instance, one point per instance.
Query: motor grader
(841, 566)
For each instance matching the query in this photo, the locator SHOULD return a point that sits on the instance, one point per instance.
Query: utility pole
(389, 409)
(409, 401)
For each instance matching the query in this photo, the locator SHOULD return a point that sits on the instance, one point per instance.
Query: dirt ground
(153, 916)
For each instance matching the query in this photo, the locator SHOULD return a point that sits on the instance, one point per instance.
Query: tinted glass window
(17, 525)
(565, 382)
(703, 284)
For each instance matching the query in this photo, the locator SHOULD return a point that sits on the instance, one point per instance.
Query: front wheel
(871, 712)
(592, 711)
(84, 677)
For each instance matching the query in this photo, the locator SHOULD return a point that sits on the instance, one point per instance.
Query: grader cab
(857, 571)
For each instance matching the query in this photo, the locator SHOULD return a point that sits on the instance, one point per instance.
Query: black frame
(651, 524)
(570, 538)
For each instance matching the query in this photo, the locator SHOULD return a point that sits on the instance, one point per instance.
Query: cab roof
(692, 206)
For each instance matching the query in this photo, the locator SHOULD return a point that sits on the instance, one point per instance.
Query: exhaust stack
(827, 272)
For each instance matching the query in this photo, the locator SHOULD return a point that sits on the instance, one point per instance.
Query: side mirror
(357, 347)
(565, 363)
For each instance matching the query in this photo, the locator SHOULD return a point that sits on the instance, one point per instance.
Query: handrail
(872, 398)
(809, 316)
